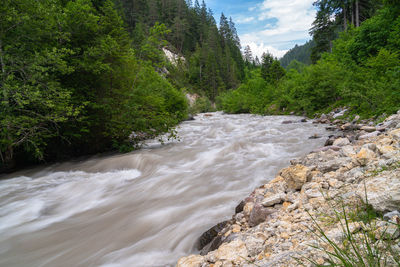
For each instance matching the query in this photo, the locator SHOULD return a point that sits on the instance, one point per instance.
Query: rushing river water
(145, 208)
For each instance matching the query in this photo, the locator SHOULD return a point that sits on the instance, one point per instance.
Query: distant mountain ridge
(301, 53)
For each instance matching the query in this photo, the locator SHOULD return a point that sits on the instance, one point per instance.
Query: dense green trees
(271, 69)
(87, 76)
(362, 72)
(214, 60)
(334, 16)
(72, 84)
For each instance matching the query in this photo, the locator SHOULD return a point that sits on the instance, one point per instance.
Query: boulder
(368, 129)
(348, 151)
(395, 134)
(274, 199)
(209, 235)
(339, 113)
(323, 117)
(364, 156)
(248, 207)
(332, 165)
(341, 142)
(386, 151)
(296, 176)
(387, 230)
(277, 185)
(369, 135)
(389, 216)
(191, 261)
(239, 208)
(287, 122)
(330, 141)
(312, 190)
(254, 244)
(235, 251)
(347, 127)
(259, 214)
(326, 148)
(383, 191)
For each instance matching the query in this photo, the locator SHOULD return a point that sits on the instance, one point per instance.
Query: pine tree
(248, 55)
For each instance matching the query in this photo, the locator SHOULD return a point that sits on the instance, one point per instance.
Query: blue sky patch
(268, 25)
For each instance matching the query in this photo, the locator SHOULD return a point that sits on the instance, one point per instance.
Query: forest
(355, 60)
(89, 76)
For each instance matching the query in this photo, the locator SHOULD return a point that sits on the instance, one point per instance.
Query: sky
(268, 25)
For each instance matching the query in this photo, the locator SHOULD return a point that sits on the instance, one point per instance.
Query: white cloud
(291, 15)
(244, 19)
(259, 48)
(293, 21)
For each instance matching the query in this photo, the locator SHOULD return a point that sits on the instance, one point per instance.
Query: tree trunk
(352, 14)
(357, 13)
(7, 159)
(200, 72)
(3, 66)
(344, 17)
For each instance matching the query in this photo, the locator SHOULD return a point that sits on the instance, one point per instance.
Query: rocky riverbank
(277, 225)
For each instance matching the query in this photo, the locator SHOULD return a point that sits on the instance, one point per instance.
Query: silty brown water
(145, 208)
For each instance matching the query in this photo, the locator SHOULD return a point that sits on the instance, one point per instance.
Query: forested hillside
(360, 69)
(86, 76)
(214, 61)
(300, 53)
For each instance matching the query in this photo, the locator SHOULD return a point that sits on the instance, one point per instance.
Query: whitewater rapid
(148, 207)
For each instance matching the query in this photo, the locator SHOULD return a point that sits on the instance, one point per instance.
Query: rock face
(172, 57)
(273, 226)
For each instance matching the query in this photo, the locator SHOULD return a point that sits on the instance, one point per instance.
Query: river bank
(277, 224)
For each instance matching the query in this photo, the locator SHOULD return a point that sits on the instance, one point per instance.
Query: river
(148, 207)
